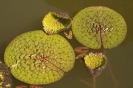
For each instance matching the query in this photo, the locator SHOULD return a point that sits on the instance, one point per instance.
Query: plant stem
(112, 75)
(94, 82)
(111, 72)
(81, 80)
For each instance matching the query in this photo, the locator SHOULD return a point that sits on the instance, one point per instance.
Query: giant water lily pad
(37, 58)
(99, 26)
(54, 23)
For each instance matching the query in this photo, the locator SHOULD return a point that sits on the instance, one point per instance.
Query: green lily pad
(37, 58)
(95, 62)
(99, 26)
(54, 23)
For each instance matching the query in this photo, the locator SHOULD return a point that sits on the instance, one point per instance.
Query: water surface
(19, 16)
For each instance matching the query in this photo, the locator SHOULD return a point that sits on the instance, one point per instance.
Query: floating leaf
(54, 23)
(82, 50)
(35, 57)
(99, 26)
(95, 62)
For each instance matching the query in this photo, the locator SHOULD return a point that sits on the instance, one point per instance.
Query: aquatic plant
(54, 23)
(99, 26)
(68, 35)
(95, 62)
(5, 77)
(82, 51)
(31, 86)
(37, 58)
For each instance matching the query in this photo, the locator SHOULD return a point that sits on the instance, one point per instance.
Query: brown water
(19, 16)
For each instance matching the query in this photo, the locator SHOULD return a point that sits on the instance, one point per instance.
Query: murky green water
(19, 16)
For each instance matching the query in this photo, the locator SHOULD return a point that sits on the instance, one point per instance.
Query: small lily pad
(99, 26)
(35, 57)
(54, 23)
(95, 62)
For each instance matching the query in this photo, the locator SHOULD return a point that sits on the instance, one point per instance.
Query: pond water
(19, 16)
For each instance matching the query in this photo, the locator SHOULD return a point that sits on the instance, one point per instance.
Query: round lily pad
(99, 26)
(95, 62)
(54, 23)
(37, 58)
